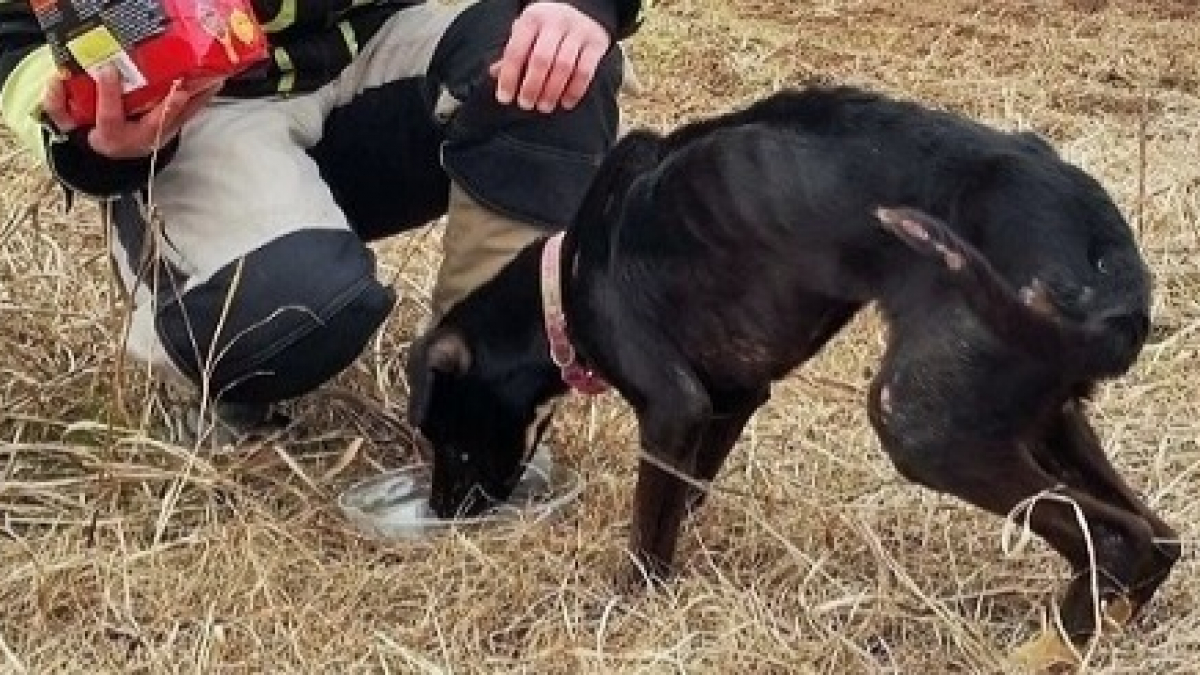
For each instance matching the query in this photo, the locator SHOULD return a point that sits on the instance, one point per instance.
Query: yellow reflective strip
(349, 37)
(287, 77)
(284, 19)
(644, 10)
(21, 98)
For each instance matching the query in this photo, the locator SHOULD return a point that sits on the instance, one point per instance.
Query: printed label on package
(87, 34)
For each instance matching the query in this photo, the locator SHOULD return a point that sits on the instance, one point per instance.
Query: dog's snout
(450, 484)
(439, 505)
(446, 504)
(1121, 338)
(1143, 325)
(442, 501)
(464, 498)
(1133, 323)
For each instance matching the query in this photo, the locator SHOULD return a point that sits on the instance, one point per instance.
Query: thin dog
(709, 262)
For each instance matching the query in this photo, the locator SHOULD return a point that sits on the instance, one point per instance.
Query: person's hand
(551, 57)
(116, 134)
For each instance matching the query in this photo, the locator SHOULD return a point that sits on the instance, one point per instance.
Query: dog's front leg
(671, 418)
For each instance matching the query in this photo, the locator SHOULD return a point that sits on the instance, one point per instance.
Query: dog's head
(482, 381)
(481, 388)
(482, 416)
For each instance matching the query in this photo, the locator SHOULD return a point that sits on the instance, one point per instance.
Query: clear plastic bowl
(395, 504)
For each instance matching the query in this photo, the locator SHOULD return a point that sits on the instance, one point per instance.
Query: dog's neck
(562, 352)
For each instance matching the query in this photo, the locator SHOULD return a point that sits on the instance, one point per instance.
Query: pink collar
(562, 352)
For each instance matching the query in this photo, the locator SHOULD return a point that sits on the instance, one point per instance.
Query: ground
(122, 553)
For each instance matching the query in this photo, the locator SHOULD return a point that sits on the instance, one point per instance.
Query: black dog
(706, 263)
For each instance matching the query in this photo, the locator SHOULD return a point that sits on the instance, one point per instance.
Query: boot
(476, 243)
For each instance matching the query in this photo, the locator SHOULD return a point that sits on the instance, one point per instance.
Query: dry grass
(121, 553)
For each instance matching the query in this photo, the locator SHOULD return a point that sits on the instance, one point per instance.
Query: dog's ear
(441, 354)
(448, 353)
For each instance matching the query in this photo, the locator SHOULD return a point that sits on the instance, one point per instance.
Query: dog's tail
(1029, 319)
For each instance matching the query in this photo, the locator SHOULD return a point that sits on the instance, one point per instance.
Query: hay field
(120, 553)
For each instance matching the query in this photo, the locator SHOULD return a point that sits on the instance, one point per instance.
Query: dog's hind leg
(998, 473)
(1072, 452)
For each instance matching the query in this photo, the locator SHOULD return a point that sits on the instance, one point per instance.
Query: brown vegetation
(119, 552)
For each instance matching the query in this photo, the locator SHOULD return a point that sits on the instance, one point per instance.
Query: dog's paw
(636, 580)
(639, 574)
(1047, 654)
(1118, 612)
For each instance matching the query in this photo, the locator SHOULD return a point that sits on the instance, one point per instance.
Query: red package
(152, 43)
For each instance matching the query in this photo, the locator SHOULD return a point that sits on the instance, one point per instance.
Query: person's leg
(413, 131)
(253, 289)
(520, 173)
(268, 290)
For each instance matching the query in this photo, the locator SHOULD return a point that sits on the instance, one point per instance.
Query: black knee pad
(281, 321)
(526, 164)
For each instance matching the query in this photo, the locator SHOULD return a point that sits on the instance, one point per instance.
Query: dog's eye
(1103, 266)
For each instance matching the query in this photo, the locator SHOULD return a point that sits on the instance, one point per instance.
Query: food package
(152, 44)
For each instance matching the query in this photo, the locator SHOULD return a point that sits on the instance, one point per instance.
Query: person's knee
(462, 91)
(525, 164)
(533, 166)
(280, 321)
